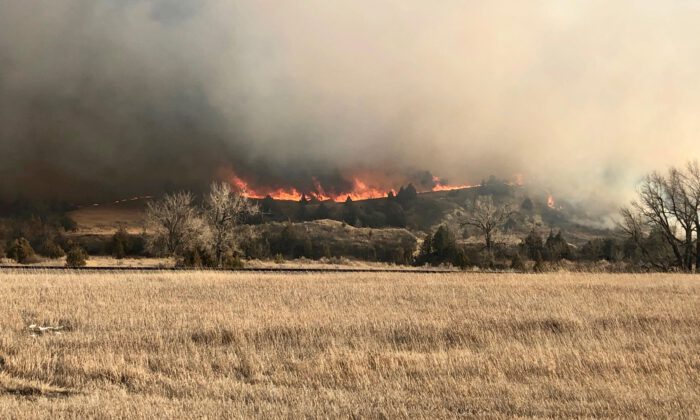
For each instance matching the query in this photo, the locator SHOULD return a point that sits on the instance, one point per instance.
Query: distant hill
(426, 211)
(418, 213)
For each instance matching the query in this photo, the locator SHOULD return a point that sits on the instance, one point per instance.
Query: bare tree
(175, 223)
(224, 209)
(487, 216)
(638, 229)
(670, 204)
(693, 182)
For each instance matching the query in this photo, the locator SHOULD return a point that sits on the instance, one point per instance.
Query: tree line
(658, 231)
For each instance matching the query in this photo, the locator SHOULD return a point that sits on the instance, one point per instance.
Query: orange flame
(550, 201)
(361, 190)
(441, 185)
(279, 194)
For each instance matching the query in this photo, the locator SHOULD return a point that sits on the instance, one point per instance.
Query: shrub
(461, 258)
(533, 245)
(51, 249)
(539, 266)
(68, 224)
(120, 242)
(556, 248)
(123, 244)
(517, 263)
(197, 258)
(441, 248)
(21, 251)
(76, 257)
(232, 261)
(407, 194)
(118, 250)
(425, 251)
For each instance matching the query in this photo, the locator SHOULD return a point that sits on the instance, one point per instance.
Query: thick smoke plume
(105, 98)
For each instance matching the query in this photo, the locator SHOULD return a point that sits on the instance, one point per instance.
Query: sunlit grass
(369, 345)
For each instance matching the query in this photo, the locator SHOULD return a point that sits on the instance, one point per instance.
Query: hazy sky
(100, 98)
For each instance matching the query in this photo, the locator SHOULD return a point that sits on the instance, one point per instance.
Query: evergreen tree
(441, 241)
(556, 247)
(49, 248)
(425, 254)
(76, 257)
(444, 245)
(407, 194)
(120, 243)
(21, 251)
(533, 245)
(119, 252)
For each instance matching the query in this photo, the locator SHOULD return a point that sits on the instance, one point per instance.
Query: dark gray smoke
(108, 98)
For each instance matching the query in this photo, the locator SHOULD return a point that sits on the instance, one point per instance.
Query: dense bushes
(325, 239)
(51, 249)
(119, 245)
(35, 230)
(517, 263)
(441, 248)
(124, 244)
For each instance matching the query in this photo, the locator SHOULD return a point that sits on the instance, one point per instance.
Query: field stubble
(186, 344)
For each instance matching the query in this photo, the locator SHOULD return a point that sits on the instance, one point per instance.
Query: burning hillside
(359, 188)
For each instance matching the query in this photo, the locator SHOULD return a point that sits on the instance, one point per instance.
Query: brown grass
(107, 219)
(171, 345)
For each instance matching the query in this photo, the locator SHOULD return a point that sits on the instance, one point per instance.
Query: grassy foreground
(171, 345)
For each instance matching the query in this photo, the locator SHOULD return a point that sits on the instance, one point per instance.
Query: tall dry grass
(170, 345)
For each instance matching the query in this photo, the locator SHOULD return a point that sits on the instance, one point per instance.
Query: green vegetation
(76, 257)
(22, 251)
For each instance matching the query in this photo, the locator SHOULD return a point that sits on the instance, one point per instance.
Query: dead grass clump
(546, 325)
(215, 337)
(249, 367)
(28, 388)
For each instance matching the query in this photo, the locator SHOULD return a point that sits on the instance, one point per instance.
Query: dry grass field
(107, 218)
(169, 345)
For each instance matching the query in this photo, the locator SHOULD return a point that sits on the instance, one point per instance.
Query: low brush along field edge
(391, 345)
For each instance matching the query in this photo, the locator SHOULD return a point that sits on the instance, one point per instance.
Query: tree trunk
(697, 246)
(219, 254)
(673, 242)
(219, 258)
(689, 249)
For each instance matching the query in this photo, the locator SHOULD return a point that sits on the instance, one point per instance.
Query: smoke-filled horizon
(109, 98)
